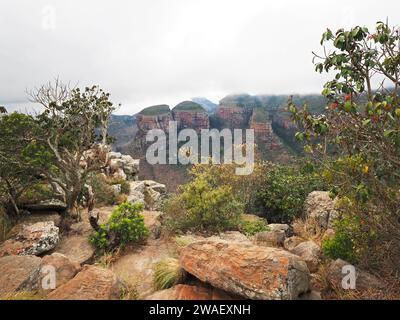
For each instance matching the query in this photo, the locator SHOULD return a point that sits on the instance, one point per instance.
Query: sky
(147, 52)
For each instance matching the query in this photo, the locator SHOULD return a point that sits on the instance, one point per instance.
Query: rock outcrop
(77, 248)
(92, 283)
(273, 238)
(321, 208)
(33, 239)
(310, 252)
(122, 166)
(189, 114)
(19, 273)
(250, 271)
(148, 192)
(364, 280)
(65, 269)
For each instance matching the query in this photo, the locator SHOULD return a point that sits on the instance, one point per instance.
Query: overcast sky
(147, 52)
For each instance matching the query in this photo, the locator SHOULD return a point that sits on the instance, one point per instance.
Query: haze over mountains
(266, 114)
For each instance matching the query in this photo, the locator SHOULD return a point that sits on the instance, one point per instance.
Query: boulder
(291, 242)
(92, 283)
(310, 252)
(231, 236)
(33, 239)
(116, 188)
(65, 269)
(280, 227)
(77, 248)
(154, 185)
(270, 238)
(246, 270)
(19, 273)
(189, 292)
(136, 196)
(364, 280)
(321, 208)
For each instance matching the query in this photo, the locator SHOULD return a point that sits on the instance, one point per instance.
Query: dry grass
(129, 291)
(308, 229)
(21, 295)
(168, 273)
(108, 258)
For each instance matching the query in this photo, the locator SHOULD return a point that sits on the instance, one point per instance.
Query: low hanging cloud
(166, 51)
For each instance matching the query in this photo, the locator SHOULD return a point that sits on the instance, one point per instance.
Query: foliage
(126, 225)
(35, 193)
(203, 205)
(103, 192)
(125, 185)
(252, 226)
(286, 189)
(342, 245)
(358, 138)
(167, 273)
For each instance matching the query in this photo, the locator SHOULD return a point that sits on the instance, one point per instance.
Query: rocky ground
(284, 262)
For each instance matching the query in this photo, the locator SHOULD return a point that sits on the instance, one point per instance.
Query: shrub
(167, 273)
(286, 189)
(103, 192)
(125, 185)
(36, 193)
(126, 225)
(342, 245)
(202, 205)
(252, 226)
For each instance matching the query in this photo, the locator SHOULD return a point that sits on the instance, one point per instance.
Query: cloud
(165, 51)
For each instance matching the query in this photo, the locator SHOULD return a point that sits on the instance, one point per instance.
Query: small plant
(342, 244)
(252, 226)
(167, 273)
(103, 192)
(126, 225)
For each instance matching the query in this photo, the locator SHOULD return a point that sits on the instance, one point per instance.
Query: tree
(69, 124)
(359, 134)
(18, 169)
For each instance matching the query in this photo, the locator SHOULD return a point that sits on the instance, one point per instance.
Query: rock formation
(191, 115)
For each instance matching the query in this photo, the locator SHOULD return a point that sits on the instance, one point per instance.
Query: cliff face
(189, 114)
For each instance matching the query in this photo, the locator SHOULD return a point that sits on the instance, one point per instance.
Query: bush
(103, 192)
(286, 189)
(252, 226)
(342, 245)
(126, 225)
(168, 273)
(125, 185)
(202, 205)
(36, 193)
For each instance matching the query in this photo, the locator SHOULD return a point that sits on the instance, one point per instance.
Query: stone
(310, 252)
(189, 292)
(77, 248)
(47, 205)
(19, 273)
(280, 227)
(152, 222)
(328, 234)
(231, 236)
(41, 217)
(271, 238)
(116, 188)
(321, 208)
(364, 280)
(250, 271)
(159, 187)
(291, 242)
(92, 283)
(65, 269)
(114, 155)
(136, 196)
(33, 239)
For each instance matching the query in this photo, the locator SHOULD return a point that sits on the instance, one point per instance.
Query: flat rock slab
(19, 273)
(92, 283)
(253, 272)
(136, 267)
(77, 248)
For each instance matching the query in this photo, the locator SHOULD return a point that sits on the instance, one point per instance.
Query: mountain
(208, 105)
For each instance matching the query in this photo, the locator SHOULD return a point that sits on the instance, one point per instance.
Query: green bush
(126, 225)
(286, 190)
(167, 273)
(252, 226)
(202, 205)
(36, 193)
(342, 244)
(125, 185)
